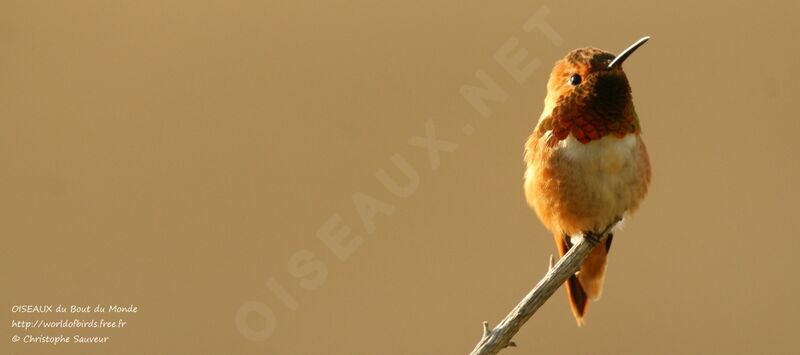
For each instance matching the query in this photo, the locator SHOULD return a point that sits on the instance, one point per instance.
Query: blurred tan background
(177, 155)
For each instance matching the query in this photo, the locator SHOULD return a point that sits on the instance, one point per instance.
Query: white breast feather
(607, 167)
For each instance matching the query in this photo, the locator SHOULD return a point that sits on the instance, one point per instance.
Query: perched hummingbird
(587, 166)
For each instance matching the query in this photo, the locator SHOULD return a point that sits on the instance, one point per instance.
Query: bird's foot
(593, 237)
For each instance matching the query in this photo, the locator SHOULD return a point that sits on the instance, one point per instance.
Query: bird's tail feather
(588, 282)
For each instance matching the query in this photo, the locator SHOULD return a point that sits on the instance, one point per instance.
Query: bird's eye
(575, 79)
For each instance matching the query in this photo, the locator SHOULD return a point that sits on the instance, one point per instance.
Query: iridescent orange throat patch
(592, 111)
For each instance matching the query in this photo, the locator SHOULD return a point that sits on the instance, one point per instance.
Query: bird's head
(588, 95)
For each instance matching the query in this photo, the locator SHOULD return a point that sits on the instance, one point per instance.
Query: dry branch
(499, 338)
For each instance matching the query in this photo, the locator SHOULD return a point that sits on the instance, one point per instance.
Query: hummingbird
(587, 166)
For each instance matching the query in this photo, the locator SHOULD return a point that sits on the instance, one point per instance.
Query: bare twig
(499, 338)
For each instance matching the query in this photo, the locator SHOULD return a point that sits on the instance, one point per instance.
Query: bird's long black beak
(627, 52)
